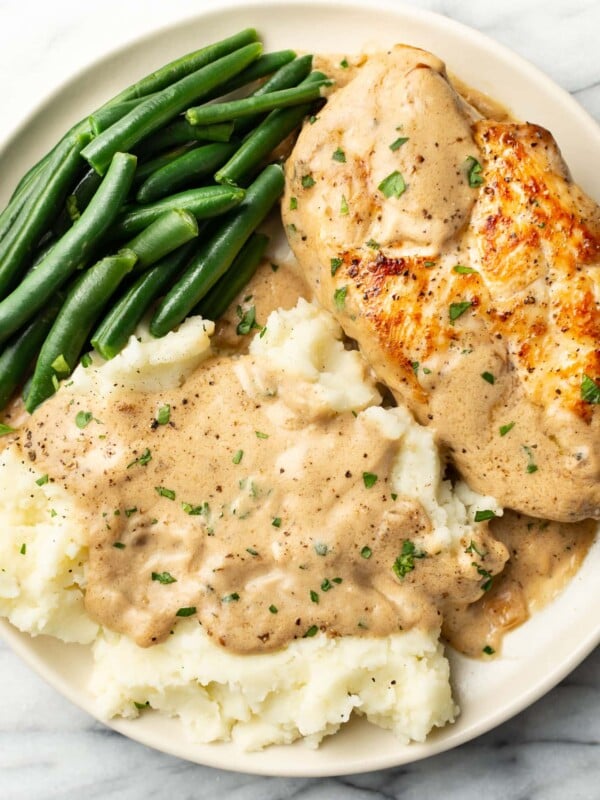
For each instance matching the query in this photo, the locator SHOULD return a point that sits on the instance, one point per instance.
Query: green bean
(107, 115)
(181, 132)
(248, 106)
(13, 209)
(39, 211)
(71, 251)
(171, 230)
(184, 170)
(265, 65)
(162, 107)
(68, 335)
(216, 254)
(208, 201)
(77, 202)
(148, 167)
(263, 140)
(121, 321)
(19, 353)
(216, 302)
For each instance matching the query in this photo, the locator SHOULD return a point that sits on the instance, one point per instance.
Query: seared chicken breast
(462, 258)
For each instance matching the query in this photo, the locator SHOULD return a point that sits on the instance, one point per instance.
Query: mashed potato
(308, 689)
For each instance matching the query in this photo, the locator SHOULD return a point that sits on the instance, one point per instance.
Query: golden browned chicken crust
(490, 332)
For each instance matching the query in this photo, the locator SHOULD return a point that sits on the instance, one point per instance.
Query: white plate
(543, 651)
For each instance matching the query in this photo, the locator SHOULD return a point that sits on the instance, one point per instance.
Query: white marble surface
(49, 748)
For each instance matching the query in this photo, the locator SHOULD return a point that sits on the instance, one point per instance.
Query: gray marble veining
(51, 749)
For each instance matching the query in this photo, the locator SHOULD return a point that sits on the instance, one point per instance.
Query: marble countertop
(51, 749)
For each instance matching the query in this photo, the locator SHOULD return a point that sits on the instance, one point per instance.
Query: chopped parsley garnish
(163, 577)
(252, 551)
(458, 309)
(321, 549)
(144, 459)
(312, 631)
(485, 514)
(405, 562)
(489, 578)
(366, 552)
(369, 479)
(464, 270)
(163, 492)
(261, 435)
(339, 155)
(83, 419)
(186, 611)
(336, 580)
(504, 429)
(398, 143)
(130, 511)
(60, 365)
(487, 376)
(164, 414)
(590, 390)
(415, 367)
(344, 210)
(195, 511)
(276, 522)
(326, 585)
(372, 244)
(293, 203)
(119, 545)
(474, 175)
(86, 360)
(42, 480)
(394, 496)
(336, 263)
(307, 181)
(429, 264)
(273, 609)
(344, 63)
(472, 548)
(531, 465)
(141, 706)
(5, 429)
(393, 185)
(314, 596)
(23, 549)
(238, 457)
(247, 320)
(230, 598)
(339, 297)
(488, 650)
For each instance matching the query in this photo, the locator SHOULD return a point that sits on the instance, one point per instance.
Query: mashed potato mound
(308, 689)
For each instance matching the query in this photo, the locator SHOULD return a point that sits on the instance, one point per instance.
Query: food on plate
(462, 258)
(238, 497)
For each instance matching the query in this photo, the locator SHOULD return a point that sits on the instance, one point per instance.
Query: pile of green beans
(148, 207)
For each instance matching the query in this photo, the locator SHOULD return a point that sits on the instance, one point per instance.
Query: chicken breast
(464, 261)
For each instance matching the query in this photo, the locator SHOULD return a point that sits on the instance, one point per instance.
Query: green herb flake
(119, 545)
(504, 429)
(247, 320)
(86, 360)
(372, 244)
(163, 577)
(230, 598)
(252, 551)
(393, 185)
(276, 522)
(485, 514)
(344, 63)
(415, 367)
(344, 210)
(238, 457)
(164, 414)
(366, 552)
(326, 585)
(489, 578)
(261, 435)
(464, 270)
(163, 492)
(369, 479)
(472, 548)
(474, 174)
(60, 365)
(336, 263)
(405, 562)
(83, 419)
(487, 376)
(394, 496)
(590, 390)
(314, 596)
(23, 550)
(429, 264)
(531, 465)
(141, 706)
(129, 512)
(339, 155)
(488, 650)
(41, 481)
(186, 611)
(399, 142)
(321, 549)
(336, 580)
(312, 119)
(312, 631)
(339, 297)
(456, 310)
(307, 181)
(293, 203)
(273, 609)
(143, 460)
